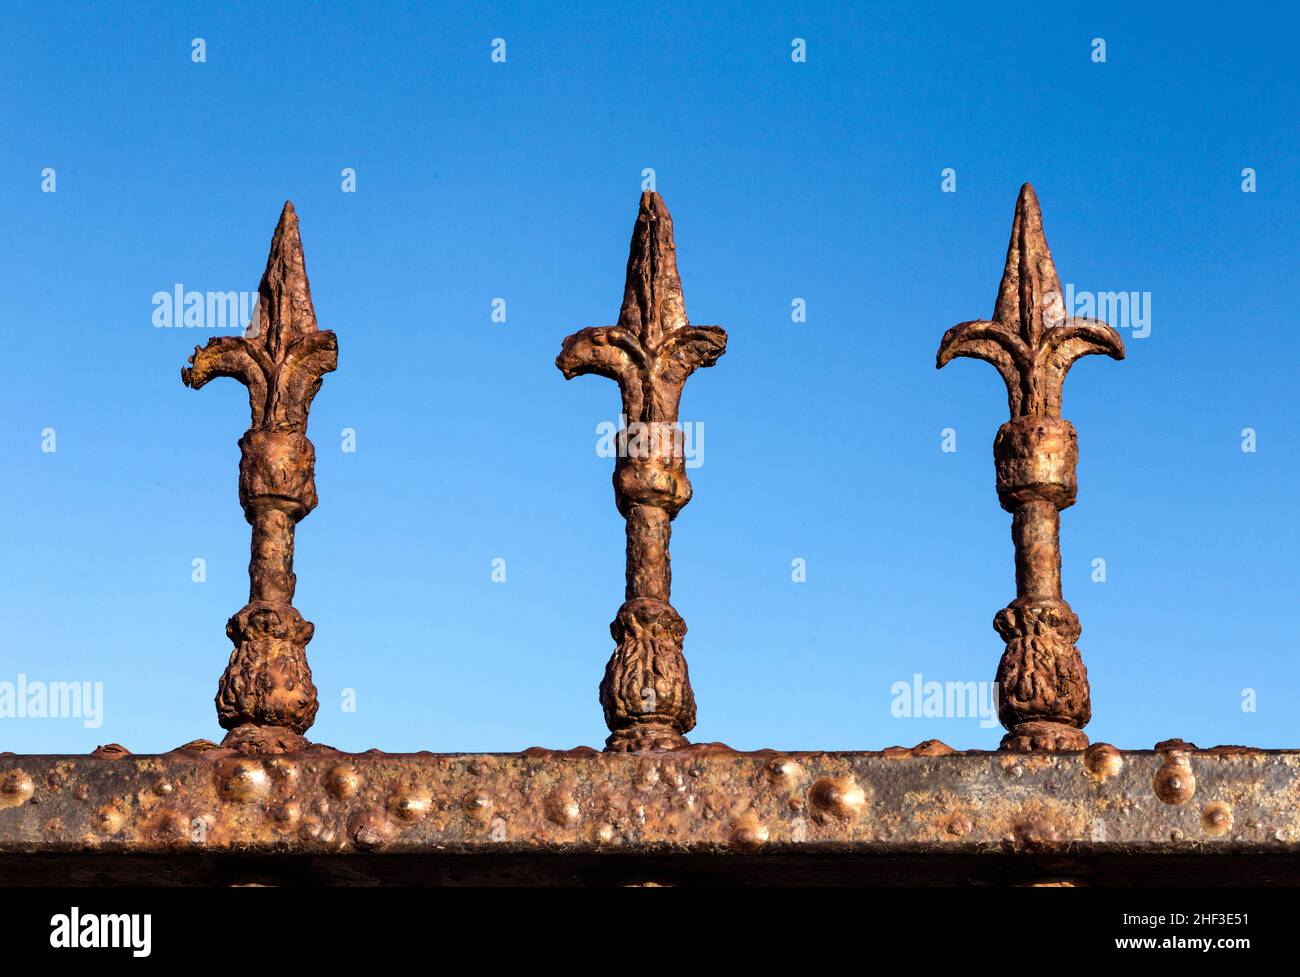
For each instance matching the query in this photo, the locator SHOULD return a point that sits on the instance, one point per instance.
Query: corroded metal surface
(646, 692)
(1058, 812)
(1043, 694)
(266, 697)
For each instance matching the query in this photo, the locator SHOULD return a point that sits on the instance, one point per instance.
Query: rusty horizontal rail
(902, 815)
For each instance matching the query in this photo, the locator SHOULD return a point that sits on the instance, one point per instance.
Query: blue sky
(818, 180)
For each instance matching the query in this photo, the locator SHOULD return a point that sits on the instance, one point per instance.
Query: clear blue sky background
(520, 180)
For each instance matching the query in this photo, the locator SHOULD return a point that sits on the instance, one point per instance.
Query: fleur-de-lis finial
(1030, 340)
(282, 357)
(646, 693)
(266, 697)
(1044, 700)
(654, 348)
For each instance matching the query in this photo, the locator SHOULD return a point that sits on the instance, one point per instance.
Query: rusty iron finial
(646, 692)
(266, 698)
(1042, 682)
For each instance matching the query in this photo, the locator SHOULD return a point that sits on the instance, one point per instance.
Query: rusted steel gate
(268, 805)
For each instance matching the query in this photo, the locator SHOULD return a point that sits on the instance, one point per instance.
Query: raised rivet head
(748, 833)
(1174, 782)
(410, 805)
(171, 829)
(562, 809)
(370, 833)
(783, 771)
(282, 770)
(840, 798)
(285, 815)
(1216, 818)
(107, 820)
(342, 780)
(242, 780)
(477, 805)
(928, 748)
(1102, 761)
(16, 788)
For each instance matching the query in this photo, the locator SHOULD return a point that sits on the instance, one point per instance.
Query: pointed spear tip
(286, 242)
(653, 222)
(1029, 215)
(1028, 260)
(284, 288)
(287, 226)
(653, 206)
(652, 296)
(288, 219)
(1028, 265)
